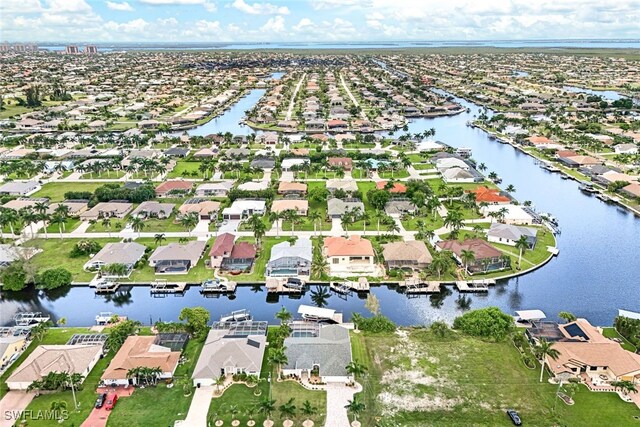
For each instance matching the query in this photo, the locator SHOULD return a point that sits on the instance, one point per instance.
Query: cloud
(122, 7)
(172, 2)
(337, 4)
(210, 6)
(136, 26)
(20, 6)
(73, 6)
(260, 8)
(274, 25)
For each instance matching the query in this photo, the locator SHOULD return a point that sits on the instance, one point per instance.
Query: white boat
(464, 152)
(104, 317)
(316, 314)
(236, 316)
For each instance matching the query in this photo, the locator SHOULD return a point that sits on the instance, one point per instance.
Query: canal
(597, 271)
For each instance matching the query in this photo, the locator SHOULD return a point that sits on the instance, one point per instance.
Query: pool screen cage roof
(87, 339)
(242, 329)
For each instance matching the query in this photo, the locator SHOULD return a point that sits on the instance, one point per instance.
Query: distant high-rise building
(18, 47)
(90, 49)
(72, 50)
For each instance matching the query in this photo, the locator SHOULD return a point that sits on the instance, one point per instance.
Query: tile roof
(353, 246)
(140, 351)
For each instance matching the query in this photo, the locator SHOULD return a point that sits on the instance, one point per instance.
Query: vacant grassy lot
(55, 190)
(417, 379)
(185, 169)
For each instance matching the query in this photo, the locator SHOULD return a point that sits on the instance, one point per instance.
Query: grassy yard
(55, 190)
(186, 169)
(162, 225)
(410, 222)
(260, 264)
(158, 406)
(402, 173)
(56, 254)
(104, 175)
(417, 379)
(612, 333)
(71, 224)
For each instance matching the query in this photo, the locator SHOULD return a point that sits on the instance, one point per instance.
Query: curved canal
(597, 271)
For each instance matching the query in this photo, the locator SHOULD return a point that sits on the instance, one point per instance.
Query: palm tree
(319, 296)
(467, 256)
(7, 217)
(257, 227)
(544, 349)
(510, 188)
(266, 407)
(522, 244)
(275, 217)
(284, 316)
(28, 217)
(625, 386)
(293, 217)
(106, 223)
(314, 216)
(355, 406)
(356, 369)
(288, 409)
(189, 221)
(159, 238)
(308, 409)
(393, 228)
(441, 262)
(319, 265)
(58, 407)
(277, 357)
(137, 224)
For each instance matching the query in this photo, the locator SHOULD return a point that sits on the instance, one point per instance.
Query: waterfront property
(140, 352)
(127, 254)
(318, 350)
(176, 258)
(412, 254)
(231, 348)
(290, 260)
(510, 234)
(351, 256)
(71, 359)
(486, 258)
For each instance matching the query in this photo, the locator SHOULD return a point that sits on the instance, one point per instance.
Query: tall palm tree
(293, 217)
(28, 217)
(189, 221)
(522, 244)
(441, 262)
(467, 256)
(356, 369)
(544, 349)
(314, 216)
(288, 409)
(275, 217)
(283, 315)
(355, 406)
(319, 265)
(137, 225)
(106, 223)
(258, 228)
(277, 357)
(308, 409)
(267, 406)
(159, 238)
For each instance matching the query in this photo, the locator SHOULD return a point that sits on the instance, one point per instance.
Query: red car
(112, 398)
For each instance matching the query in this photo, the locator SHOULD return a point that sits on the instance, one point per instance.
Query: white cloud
(20, 6)
(73, 6)
(210, 6)
(122, 7)
(172, 2)
(340, 4)
(274, 25)
(136, 26)
(260, 8)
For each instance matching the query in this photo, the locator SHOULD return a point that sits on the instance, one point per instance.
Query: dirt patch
(394, 403)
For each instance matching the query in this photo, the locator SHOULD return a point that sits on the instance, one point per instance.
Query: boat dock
(106, 287)
(280, 286)
(163, 287)
(27, 318)
(362, 285)
(217, 287)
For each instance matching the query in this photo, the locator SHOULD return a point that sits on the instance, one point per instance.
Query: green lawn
(186, 169)
(402, 173)
(104, 175)
(260, 264)
(162, 225)
(116, 225)
(71, 224)
(56, 254)
(55, 190)
(159, 406)
(410, 222)
(612, 333)
(422, 380)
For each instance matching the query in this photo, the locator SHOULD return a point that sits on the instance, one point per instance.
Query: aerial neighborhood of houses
(289, 179)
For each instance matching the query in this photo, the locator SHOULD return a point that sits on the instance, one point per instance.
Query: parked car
(515, 418)
(111, 401)
(100, 400)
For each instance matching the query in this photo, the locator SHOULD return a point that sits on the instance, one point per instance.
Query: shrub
(53, 278)
(376, 324)
(85, 247)
(488, 322)
(14, 277)
(628, 328)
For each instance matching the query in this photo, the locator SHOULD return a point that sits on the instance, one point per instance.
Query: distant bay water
(600, 43)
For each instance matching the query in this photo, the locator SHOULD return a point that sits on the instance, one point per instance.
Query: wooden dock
(474, 285)
(107, 287)
(418, 286)
(279, 286)
(362, 285)
(221, 288)
(163, 287)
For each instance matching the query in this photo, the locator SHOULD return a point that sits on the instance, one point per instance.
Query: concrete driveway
(197, 416)
(230, 227)
(338, 396)
(11, 406)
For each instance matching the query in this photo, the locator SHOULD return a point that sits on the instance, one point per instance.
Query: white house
(241, 209)
(353, 256)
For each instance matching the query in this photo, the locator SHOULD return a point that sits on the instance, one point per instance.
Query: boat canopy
(531, 314)
(316, 312)
(629, 314)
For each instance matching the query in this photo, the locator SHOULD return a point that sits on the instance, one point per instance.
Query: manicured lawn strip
(104, 175)
(55, 190)
(116, 225)
(424, 166)
(612, 333)
(401, 173)
(162, 225)
(71, 224)
(411, 222)
(151, 241)
(56, 254)
(262, 258)
(479, 379)
(243, 176)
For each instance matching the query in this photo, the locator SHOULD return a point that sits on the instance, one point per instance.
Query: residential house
(71, 359)
(631, 190)
(20, 188)
(292, 188)
(301, 207)
(113, 209)
(626, 149)
(396, 187)
(290, 260)
(76, 207)
(348, 185)
(140, 352)
(177, 152)
(412, 254)
(244, 208)
(241, 257)
(579, 161)
(490, 195)
(206, 209)
(487, 258)
(254, 185)
(399, 207)
(345, 163)
(151, 209)
(176, 258)
(324, 353)
(214, 189)
(231, 348)
(513, 214)
(508, 234)
(336, 208)
(173, 188)
(10, 347)
(221, 249)
(264, 163)
(128, 253)
(351, 256)
(293, 163)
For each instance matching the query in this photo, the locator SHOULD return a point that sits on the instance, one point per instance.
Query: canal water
(596, 273)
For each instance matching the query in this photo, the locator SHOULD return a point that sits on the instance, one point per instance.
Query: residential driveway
(286, 176)
(230, 227)
(197, 416)
(202, 228)
(336, 227)
(338, 396)
(97, 418)
(11, 405)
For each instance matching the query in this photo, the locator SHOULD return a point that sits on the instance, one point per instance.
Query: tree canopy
(489, 322)
(197, 319)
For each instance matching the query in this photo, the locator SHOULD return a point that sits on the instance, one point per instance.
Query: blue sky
(315, 20)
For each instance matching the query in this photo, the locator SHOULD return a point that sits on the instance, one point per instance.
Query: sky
(315, 20)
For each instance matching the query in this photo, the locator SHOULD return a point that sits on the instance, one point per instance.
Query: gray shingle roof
(331, 350)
